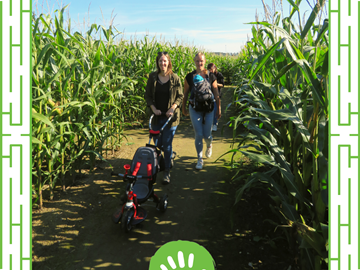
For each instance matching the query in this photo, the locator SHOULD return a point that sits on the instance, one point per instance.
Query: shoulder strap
(154, 75)
(208, 77)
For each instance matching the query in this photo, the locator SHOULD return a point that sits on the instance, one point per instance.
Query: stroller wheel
(126, 220)
(163, 203)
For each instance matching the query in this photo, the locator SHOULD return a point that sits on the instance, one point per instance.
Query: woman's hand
(218, 105)
(185, 112)
(170, 112)
(218, 114)
(155, 111)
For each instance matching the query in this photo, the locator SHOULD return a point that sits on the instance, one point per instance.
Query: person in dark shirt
(163, 93)
(201, 121)
(220, 83)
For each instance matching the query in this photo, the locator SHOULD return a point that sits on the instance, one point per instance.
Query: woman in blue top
(202, 128)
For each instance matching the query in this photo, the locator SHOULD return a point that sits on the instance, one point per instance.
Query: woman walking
(201, 120)
(164, 94)
(220, 83)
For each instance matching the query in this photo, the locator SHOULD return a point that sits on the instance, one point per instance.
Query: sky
(215, 26)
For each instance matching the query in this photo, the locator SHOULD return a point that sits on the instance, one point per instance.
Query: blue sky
(212, 25)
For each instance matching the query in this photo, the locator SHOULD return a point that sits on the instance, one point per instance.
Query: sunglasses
(160, 53)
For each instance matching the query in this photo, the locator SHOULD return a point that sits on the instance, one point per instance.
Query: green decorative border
(1, 132)
(339, 143)
(9, 8)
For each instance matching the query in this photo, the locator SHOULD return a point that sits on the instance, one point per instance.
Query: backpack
(203, 96)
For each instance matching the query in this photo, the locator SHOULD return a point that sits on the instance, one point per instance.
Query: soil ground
(75, 230)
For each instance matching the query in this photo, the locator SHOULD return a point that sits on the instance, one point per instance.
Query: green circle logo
(182, 255)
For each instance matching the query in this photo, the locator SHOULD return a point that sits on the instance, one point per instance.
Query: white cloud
(122, 21)
(145, 33)
(197, 32)
(224, 47)
(226, 36)
(214, 35)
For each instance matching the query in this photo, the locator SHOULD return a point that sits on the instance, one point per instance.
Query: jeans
(165, 140)
(201, 130)
(215, 110)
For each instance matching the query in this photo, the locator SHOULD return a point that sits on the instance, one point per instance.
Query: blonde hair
(199, 54)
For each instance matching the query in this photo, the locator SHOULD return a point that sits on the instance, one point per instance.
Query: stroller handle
(162, 114)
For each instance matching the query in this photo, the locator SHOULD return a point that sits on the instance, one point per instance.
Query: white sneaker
(214, 128)
(199, 164)
(209, 151)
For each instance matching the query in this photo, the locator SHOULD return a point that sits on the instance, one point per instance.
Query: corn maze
(294, 98)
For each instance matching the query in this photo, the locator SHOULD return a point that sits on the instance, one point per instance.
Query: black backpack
(203, 97)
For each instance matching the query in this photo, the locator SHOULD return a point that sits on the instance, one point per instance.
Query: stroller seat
(144, 164)
(141, 188)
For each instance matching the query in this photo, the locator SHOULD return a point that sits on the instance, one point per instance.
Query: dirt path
(75, 230)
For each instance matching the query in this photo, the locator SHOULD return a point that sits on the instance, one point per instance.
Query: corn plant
(282, 101)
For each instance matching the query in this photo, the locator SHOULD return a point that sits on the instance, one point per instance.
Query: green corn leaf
(261, 41)
(314, 83)
(323, 179)
(290, 116)
(43, 51)
(46, 23)
(257, 102)
(309, 257)
(325, 65)
(73, 39)
(97, 57)
(280, 58)
(66, 58)
(35, 141)
(62, 56)
(283, 71)
(298, 53)
(266, 87)
(106, 33)
(312, 238)
(93, 27)
(36, 26)
(59, 35)
(312, 18)
(295, 7)
(261, 23)
(269, 34)
(266, 58)
(289, 47)
(51, 38)
(289, 210)
(277, 18)
(261, 158)
(251, 182)
(286, 173)
(43, 119)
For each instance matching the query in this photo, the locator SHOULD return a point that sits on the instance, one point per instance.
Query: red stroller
(141, 176)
